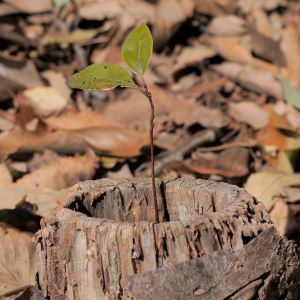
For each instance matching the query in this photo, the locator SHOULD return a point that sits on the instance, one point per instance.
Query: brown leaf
(5, 176)
(189, 112)
(60, 174)
(290, 45)
(261, 22)
(193, 56)
(279, 216)
(254, 79)
(229, 163)
(226, 25)
(14, 79)
(233, 50)
(267, 48)
(58, 82)
(169, 14)
(134, 111)
(119, 142)
(17, 259)
(99, 10)
(45, 101)
(31, 6)
(42, 200)
(80, 120)
(211, 7)
(291, 194)
(110, 140)
(266, 185)
(249, 113)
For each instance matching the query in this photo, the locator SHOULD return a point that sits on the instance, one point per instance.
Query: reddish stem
(146, 92)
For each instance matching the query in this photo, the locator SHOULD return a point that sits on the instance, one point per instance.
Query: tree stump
(103, 232)
(266, 268)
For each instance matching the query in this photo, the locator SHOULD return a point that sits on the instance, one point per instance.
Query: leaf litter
(226, 85)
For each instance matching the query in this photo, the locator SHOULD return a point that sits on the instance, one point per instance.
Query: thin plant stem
(148, 94)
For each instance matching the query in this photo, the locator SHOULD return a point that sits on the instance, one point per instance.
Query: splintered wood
(104, 232)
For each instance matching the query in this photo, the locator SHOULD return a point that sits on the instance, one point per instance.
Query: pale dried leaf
(291, 194)
(226, 25)
(5, 176)
(116, 141)
(249, 113)
(80, 120)
(280, 216)
(193, 56)
(58, 82)
(254, 79)
(45, 101)
(62, 173)
(31, 6)
(6, 124)
(266, 185)
(17, 259)
(169, 14)
(43, 200)
(290, 46)
(14, 79)
(261, 22)
(232, 49)
(100, 10)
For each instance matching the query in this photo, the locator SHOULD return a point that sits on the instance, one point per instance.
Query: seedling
(136, 52)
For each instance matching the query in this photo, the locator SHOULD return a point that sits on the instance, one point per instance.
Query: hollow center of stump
(132, 201)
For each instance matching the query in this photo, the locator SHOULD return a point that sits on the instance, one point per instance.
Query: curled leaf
(101, 77)
(137, 49)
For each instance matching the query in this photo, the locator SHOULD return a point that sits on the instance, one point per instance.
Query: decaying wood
(104, 232)
(266, 268)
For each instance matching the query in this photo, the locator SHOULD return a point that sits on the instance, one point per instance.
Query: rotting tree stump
(103, 232)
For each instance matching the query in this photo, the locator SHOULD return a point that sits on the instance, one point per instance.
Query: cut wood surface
(104, 232)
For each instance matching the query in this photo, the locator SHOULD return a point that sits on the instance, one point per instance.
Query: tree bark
(266, 268)
(104, 231)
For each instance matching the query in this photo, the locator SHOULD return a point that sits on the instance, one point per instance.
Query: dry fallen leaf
(17, 259)
(266, 185)
(80, 120)
(58, 82)
(232, 49)
(31, 6)
(46, 101)
(279, 216)
(291, 194)
(277, 145)
(5, 176)
(169, 14)
(254, 79)
(226, 25)
(14, 79)
(100, 10)
(62, 173)
(249, 113)
(134, 111)
(43, 201)
(113, 141)
(229, 163)
(193, 56)
(290, 46)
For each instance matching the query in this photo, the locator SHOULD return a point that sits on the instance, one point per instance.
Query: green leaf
(137, 49)
(290, 93)
(101, 77)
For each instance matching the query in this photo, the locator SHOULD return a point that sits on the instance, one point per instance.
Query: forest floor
(225, 79)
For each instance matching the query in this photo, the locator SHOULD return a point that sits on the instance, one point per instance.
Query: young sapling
(136, 53)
